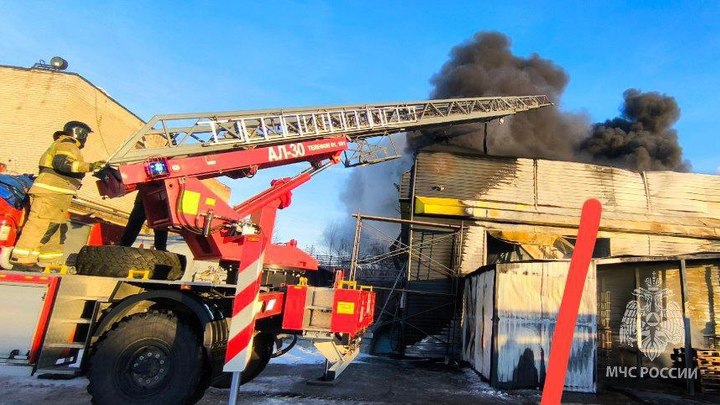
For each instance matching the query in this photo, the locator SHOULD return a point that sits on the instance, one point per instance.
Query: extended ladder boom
(176, 135)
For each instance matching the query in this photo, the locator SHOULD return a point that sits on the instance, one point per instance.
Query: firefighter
(62, 169)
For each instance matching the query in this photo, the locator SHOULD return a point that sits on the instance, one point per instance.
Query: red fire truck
(141, 333)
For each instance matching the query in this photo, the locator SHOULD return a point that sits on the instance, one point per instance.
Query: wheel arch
(186, 305)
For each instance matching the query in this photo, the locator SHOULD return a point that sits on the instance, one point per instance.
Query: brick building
(37, 102)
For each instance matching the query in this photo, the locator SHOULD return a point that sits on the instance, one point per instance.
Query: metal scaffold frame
(399, 257)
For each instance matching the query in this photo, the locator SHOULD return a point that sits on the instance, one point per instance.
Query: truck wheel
(148, 358)
(262, 350)
(117, 261)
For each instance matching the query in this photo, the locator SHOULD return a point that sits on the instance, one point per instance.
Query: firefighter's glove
(95, 166)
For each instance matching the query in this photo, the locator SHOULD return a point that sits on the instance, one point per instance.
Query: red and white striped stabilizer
(242, 324)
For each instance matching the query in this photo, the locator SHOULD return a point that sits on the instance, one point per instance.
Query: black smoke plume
(641, 139)
(486, 67)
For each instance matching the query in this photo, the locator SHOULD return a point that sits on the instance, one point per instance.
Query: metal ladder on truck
(193, 134)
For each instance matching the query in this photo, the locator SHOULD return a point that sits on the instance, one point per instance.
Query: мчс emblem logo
(654, 316)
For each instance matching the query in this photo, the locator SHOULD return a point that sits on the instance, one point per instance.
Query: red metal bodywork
(294, 313)
(289, 256)
(175, 198)
(11, 219)
(271, 304)
(104, 233)
(234, 164)
(353, 311)
(181, 201)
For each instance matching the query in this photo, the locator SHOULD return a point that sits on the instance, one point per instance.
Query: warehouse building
(489, 247)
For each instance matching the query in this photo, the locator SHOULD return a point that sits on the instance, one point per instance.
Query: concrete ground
(369, 379)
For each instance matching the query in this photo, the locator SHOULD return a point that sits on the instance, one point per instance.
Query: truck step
(14, 362)
(64, 371)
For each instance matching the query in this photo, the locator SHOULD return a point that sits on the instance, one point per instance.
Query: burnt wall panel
(432, 255)
(458, 176)
(703, 284)
(514, 316)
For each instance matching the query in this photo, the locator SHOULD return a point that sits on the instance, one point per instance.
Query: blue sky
(162, 57)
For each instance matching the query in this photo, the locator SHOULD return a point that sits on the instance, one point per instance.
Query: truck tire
(262, 351)
(117, 261)
(148, 358)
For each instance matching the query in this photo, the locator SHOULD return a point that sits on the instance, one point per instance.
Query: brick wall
(36, 103)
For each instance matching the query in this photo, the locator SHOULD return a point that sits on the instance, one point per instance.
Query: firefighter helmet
(77, 130)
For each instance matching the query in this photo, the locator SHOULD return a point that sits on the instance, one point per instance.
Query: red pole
(567, 316)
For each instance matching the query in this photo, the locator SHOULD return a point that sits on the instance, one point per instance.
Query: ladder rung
(83, 321)
(99, 298)
(67, 345)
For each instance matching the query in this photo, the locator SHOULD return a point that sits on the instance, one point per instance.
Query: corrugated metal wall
(470, 177)
(545, 183)
(618, 190)
(477, 321)
(703, 284)
(653, 213)
(526, 301)
(472, 255)
(693, 193)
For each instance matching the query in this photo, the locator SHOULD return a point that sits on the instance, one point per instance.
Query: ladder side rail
(204, 147)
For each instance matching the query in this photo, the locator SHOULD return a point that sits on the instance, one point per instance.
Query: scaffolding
(392, 272)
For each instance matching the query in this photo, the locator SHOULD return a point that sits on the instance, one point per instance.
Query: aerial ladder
(167, 162)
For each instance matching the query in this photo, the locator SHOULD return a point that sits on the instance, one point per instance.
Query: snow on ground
(21, 381)
(305, 353)
(477, 386)
(302, 353)
(17, 387)
(370, 379)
